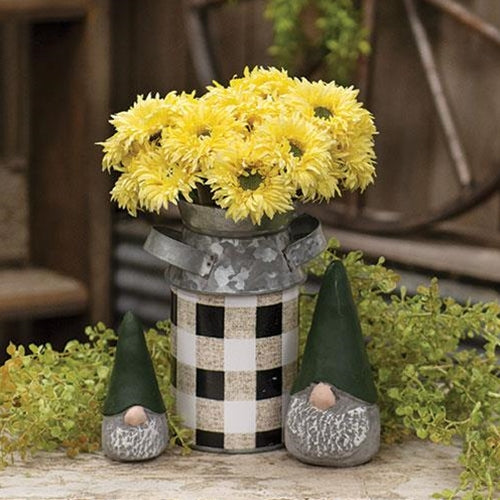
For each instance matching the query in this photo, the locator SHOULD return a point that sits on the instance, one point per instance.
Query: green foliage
(51, 399)
(429, 387)
(306, 30)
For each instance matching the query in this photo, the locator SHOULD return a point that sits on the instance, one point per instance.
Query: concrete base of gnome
(345, 434)
(141, 439)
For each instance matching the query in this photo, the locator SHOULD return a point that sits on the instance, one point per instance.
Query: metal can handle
(308, 241)
(166, 244)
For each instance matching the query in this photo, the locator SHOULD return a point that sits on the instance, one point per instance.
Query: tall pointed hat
(133, 380)
(335, 351)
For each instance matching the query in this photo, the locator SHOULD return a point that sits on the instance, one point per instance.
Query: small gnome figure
(332, 418)
(134, 426)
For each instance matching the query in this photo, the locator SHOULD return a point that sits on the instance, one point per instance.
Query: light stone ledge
(413, 470)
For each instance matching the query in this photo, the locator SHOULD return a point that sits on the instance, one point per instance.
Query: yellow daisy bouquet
(252, 148)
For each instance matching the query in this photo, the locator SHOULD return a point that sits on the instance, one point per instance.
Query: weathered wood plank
(97, 185)
(35, 292)
(14, 235)
(414, 469)
(227, 25)
(469, 65)
(459, 259)
(159, 58)
(42, 9)
(70, 211)
(259, 36)
(13, 143)
(58, 173)
(401, 104)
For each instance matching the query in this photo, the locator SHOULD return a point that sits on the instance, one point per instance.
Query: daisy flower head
(333, 107)
(161, 181)
(264, 82)
(302, 151)
(201, 134)
(247, 107)
(127, 188)
(325, 99)
(248, 186)
(143, 123)
(359, 158)
(125, 193)
(351, 127)
(116, 153)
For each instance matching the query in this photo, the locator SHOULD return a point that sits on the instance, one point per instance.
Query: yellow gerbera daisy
(264, 82)
(200, 135)
(116, 154)
(160, 180)
(126, 193)
(302, 151)
(247, 107)
(359, 165)
(248, 186)
(359, 156)
(337, 110)
(143, 123)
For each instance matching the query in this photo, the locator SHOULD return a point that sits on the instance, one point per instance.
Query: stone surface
(413, 471)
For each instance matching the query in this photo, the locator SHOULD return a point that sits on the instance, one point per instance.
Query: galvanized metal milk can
(235, 289)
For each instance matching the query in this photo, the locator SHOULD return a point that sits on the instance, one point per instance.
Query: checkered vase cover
(234, 359)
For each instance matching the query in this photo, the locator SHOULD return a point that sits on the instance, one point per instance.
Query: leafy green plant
(429, 386)
(51, 399)
(326, 31)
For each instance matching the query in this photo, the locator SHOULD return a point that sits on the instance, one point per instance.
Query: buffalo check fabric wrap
(234, 362)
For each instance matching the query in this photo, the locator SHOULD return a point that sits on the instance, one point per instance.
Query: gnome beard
(344, 434)
(133, 441)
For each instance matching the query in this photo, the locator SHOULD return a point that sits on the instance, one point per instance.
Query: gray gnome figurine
(332, 418)
(134, 425)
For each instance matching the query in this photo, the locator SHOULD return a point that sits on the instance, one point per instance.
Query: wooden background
(414, 167)
(54, 213)
(149, 52)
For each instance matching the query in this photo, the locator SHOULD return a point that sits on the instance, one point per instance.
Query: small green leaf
(422, 433)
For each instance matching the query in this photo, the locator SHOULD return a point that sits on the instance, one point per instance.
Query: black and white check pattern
(234, 362)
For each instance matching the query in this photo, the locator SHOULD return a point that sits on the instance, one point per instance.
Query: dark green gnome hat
(335, 351)
(133, 380)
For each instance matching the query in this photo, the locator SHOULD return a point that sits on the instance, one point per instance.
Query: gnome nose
(322, 396)
(135, 416)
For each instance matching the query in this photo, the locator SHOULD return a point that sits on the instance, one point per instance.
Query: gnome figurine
(134, 426)
(332, 418)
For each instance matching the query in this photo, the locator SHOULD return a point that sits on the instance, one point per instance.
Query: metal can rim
(211, 220)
